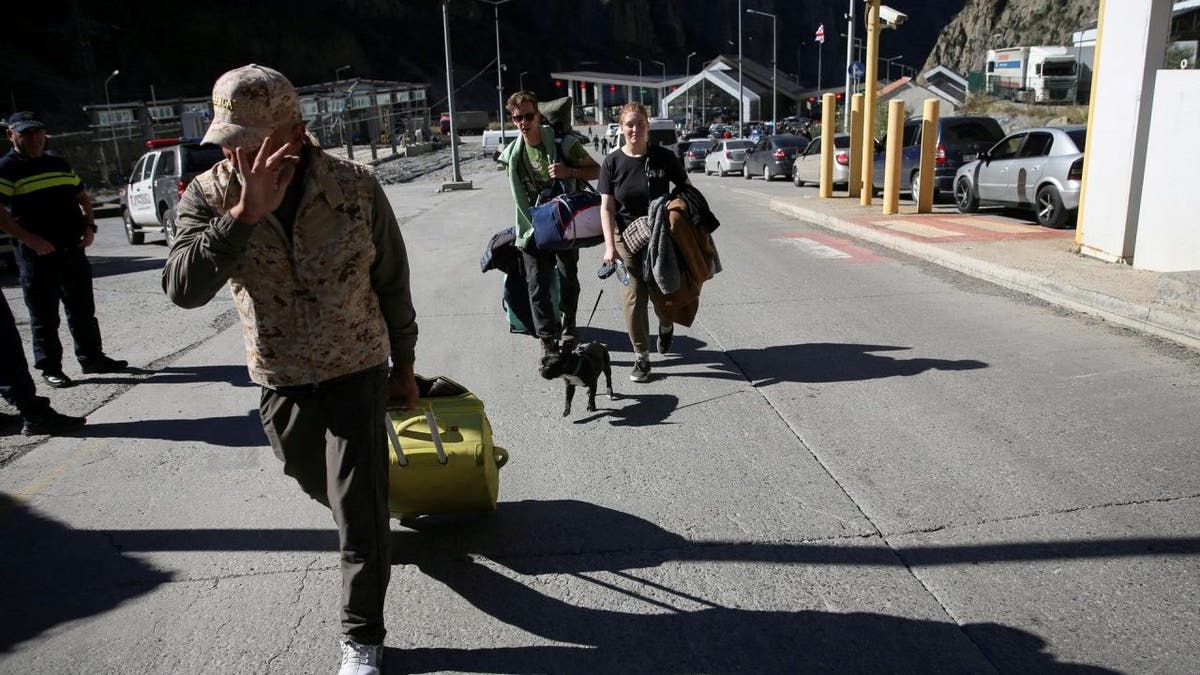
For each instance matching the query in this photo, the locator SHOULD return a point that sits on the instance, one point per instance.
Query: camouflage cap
(248, 104)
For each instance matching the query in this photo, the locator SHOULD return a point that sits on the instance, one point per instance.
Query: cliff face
(990, 24)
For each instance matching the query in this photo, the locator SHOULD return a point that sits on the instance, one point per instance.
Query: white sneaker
(360, 659)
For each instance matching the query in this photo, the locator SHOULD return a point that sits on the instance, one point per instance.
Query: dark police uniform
(41, 194)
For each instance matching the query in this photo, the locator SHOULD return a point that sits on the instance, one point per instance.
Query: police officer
(16, 386)
(56, 221)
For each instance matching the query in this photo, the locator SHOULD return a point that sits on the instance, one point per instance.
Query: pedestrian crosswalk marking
(825, 246)
(814, 248)
(918, 229)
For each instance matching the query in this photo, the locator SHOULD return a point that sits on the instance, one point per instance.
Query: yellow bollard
(929, 126)
(853, 185)
(870, 84)
(891, 164)
(828, 108)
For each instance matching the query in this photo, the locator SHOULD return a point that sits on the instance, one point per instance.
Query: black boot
(570, 336)
(549, 346)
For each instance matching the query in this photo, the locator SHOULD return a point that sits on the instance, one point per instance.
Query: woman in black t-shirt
(630, 178)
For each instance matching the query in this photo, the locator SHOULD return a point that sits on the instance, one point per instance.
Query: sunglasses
(528, 117)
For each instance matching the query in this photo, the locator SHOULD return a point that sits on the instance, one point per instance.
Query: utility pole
(457, 182)
(687, 93)
(741, 88)
(499, 68)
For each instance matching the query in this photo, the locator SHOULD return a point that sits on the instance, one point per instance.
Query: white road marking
(813, 248)
(752, 193)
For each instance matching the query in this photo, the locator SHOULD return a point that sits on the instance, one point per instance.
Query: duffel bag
(567, 221)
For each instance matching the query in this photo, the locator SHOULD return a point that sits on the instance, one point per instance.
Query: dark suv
(960, 140)
(157, 181)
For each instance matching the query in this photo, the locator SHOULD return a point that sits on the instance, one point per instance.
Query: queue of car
(1038, 170)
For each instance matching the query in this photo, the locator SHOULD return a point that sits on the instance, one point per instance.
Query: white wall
(1132, 38)
(1168, 231)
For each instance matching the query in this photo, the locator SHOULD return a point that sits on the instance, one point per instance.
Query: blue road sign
(857, 70)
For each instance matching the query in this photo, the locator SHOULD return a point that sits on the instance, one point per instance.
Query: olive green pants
(633, 301)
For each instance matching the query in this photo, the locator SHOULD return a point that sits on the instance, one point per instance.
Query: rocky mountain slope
(988, 24)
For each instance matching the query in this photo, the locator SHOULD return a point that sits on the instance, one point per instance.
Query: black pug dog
(580, 367)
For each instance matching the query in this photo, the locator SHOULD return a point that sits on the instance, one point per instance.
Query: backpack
(518, 307)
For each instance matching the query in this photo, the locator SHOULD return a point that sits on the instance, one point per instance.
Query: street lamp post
(521, 80)
(741, 89)
(774, 67)
(661, 84)
(639, 62)
(687, 92)
(499, 68)
(337, 73)
(888, 66)
(108, 104)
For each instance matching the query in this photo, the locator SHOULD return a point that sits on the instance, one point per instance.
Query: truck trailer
(1041, 74)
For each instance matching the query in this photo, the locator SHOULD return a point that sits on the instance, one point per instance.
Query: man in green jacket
(533, 165)
(320, 277)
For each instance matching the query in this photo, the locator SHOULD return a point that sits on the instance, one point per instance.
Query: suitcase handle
(434, 434)
(403, 426)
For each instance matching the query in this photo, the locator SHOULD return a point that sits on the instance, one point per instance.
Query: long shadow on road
(681, 632)
(244, 431)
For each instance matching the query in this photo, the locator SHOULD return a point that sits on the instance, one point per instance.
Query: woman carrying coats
(631, 177)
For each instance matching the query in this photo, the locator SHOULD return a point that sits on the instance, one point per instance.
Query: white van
(493, 143)
(662, 132)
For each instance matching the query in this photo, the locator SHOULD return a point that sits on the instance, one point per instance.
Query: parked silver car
(1039, 169)
(807, 166)
(727, 156)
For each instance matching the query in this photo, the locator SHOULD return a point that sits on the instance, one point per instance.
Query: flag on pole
(821, 33)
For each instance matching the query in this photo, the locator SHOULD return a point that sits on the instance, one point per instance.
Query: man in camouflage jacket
(319, 273)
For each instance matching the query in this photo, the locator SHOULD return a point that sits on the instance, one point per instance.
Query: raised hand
(264, 178)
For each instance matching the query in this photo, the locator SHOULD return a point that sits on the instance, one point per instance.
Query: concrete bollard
(892, 161)
(929, 127)
(828, 108)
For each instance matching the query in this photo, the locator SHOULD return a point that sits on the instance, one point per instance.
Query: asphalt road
(857, 462)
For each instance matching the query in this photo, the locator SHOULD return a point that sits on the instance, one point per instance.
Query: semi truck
(466, 121)
(1041, 74)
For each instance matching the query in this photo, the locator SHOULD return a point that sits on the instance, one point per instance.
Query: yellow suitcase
(442, 459)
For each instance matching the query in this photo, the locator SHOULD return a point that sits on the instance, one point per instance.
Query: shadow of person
(234, 431)
(111, 266)
(685, 634)
(238, 376)
(834, 362)
(51, 574)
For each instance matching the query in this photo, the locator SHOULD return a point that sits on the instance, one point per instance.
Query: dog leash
(597, 304)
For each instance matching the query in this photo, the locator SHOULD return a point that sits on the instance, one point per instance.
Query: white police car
(157, 181)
